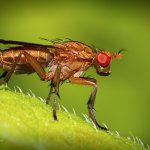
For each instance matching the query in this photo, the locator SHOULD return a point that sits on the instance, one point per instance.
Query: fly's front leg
(91, 101)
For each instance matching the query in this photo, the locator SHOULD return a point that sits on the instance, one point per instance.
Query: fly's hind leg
(39, 70)
(41, 73)
(4, 78)
(2, 81)
(32, 61)
(91, 101)
(3, 74)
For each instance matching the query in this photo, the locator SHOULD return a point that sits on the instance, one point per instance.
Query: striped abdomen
(8, 58)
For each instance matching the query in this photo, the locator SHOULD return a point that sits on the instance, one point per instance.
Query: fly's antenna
(121, 50)
(118, 54)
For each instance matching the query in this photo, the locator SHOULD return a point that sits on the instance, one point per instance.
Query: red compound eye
(103, 59)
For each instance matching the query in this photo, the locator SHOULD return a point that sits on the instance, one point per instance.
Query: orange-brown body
(65, 60)
(72, 57)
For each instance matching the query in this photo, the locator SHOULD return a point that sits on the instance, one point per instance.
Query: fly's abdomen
(9, 57)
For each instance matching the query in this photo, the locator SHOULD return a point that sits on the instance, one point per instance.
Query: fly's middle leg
(50, 93)
(42, 74)
(55, 84)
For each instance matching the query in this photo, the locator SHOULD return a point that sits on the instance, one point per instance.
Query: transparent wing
(23, 43)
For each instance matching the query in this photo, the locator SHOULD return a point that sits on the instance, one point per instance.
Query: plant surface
(27, 123)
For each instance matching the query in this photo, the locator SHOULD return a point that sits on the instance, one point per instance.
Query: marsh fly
(66, 60)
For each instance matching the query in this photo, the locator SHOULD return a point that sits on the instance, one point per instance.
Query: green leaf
(27, 123)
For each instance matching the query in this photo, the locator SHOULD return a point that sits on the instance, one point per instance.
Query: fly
(66, 60)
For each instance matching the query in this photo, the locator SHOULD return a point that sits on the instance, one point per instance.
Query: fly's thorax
(71, 45)
(68, 68)
(75, 50)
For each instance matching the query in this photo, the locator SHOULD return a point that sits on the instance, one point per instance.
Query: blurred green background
(123, 98)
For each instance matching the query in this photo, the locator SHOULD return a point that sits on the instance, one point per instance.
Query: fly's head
(103, 60)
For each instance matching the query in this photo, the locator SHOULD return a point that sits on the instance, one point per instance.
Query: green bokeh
(123, 98)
